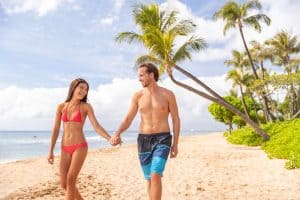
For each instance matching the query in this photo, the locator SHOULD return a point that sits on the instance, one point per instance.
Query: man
(154, 103)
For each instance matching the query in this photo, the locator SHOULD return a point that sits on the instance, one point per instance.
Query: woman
(74, 147)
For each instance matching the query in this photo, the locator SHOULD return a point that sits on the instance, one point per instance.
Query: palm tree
(236, 15)
(260, 53)
(284, 46)
(158, 33)
(238, 75)
(238, 81)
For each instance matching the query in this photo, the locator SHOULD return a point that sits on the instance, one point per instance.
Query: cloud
(108, 20)
(113, 14)
(33, 109)
(283, 13)
(212, 54)
(118, 5)
(209, 30)
(40, 7)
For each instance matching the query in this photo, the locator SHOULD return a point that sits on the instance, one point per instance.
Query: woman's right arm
(55, 132)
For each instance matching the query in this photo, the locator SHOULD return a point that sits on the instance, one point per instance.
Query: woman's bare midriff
(73, 133)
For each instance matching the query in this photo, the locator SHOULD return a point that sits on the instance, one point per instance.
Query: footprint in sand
(89, 187)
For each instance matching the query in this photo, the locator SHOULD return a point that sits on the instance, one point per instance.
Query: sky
(44, 45)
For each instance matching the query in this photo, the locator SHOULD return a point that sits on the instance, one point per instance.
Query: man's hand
(174, 151)
(115, 140)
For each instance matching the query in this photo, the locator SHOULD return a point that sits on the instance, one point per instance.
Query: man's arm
(125, 124)
(176, 123)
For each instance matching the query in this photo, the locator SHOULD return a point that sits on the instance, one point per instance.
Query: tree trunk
(262, 70)
(256, 114)
(295, 115)
(230, 127)
(247, 51)
(244, 103)
(293, 109)
(265, 100)
(221, 102)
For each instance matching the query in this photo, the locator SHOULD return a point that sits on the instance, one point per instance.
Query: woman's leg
(65, 161)
(78, 158)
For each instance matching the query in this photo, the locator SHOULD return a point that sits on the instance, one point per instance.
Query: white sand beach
(207, 167)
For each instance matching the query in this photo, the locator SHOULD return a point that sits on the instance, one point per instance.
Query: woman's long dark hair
(73, 86)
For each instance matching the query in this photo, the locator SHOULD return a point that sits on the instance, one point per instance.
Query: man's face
(144, 77)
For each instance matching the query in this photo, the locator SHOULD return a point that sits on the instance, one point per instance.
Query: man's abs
(154, 127)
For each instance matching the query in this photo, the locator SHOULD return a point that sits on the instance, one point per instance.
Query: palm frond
(129, 37)
(146, 15)
(154, 40)
(192, 44)
(228, 25)
(168, 20)
(183, 27)
(252, 4)
(147, 58)
(229, 12)
(254, 21)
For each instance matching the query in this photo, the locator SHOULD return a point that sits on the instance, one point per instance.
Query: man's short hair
(151, 68)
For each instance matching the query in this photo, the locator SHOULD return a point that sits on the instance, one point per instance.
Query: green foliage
(284, 141)
(245, 136)
(221, 114)
(158, 31)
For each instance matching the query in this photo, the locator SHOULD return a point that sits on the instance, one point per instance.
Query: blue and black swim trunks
(153, 152)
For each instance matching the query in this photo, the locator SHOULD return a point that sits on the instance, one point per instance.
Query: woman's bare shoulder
(61, 105)
(86, 106)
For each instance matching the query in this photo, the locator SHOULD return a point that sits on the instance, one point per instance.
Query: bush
(284, 141)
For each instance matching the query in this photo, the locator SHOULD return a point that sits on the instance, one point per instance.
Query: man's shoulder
(166, 91)
(138, 94)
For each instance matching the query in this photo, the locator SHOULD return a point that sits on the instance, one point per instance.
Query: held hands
(115, 140)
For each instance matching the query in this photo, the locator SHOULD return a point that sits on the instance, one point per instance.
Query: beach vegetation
(238, 16)
(221, 114)
(284, 140)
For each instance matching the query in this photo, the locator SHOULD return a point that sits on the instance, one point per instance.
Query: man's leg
(155, 187)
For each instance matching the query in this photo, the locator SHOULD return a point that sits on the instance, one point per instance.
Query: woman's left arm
(97, 127)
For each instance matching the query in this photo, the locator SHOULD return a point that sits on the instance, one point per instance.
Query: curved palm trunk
(221, 102)
(194, 78)
(265, 100)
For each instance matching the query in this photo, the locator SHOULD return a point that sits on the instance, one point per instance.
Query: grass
(284, 140)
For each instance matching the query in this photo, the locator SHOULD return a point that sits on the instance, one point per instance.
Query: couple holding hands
(155, 142)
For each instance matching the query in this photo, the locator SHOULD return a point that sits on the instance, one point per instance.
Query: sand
(207, 167)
